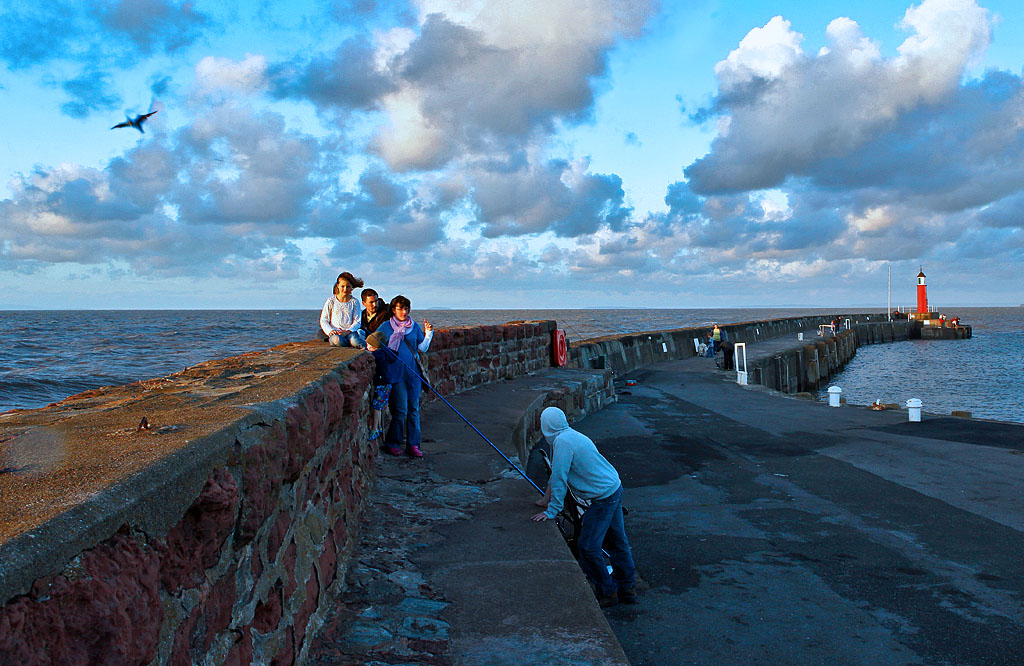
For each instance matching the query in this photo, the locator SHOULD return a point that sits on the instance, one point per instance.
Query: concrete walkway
(766, 529)
(774, 530)
(450, 569)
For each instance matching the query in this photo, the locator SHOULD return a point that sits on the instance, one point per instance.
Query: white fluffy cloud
(788, 111)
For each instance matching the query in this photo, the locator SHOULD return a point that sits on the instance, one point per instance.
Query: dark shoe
(393, 450)
(606, 602)
(627, 596)
(414, 452)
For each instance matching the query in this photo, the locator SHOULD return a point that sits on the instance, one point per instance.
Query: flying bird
(135, 122)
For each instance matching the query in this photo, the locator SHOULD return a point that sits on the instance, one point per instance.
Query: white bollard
(914, 409)
(800, 336)
(833, 396)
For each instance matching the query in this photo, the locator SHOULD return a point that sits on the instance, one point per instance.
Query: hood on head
(553, 423)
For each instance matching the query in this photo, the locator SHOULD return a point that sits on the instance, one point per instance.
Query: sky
(526, 154)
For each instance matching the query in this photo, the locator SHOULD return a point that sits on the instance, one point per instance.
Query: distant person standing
(406, 339)
(577, 464)
(340, 318)
(716, 338)
(375, 312)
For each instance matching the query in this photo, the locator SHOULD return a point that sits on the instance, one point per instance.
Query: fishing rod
(452, 407)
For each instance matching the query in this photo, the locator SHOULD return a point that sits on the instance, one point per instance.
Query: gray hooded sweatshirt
(576, 462)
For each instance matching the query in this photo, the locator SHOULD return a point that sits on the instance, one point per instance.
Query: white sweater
(340, 316)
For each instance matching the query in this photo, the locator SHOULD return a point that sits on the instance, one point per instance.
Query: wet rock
(366, 635)
(421, 607)
(424, 628)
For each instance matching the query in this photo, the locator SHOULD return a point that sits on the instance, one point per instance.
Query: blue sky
(541, 153)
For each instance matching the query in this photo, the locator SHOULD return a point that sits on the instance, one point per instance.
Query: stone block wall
(464, 357)
(623, 353)
(228, 550)
(243, 575)
(806, 367)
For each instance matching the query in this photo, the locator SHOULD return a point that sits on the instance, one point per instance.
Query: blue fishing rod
(452, 407)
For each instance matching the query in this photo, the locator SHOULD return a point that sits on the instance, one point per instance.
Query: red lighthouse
(922, 294)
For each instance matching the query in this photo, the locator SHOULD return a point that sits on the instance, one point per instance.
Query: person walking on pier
(577, 464)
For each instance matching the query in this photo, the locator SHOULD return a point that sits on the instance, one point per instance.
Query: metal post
(888, 310)
(741, 375)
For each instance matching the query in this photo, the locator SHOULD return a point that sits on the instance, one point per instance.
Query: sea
(46, 356)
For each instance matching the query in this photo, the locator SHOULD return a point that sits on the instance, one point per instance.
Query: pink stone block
(110, 615)
(217, 607)
(194, 544)
(268, 613)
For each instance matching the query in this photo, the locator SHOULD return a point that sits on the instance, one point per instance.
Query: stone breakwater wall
(219, 534)
(810, 364)
(464, 357)
(623, 353)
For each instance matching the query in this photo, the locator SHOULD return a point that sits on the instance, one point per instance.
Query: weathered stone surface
(237, 580)
(268, 613)
(111, 614)
(424, 628)
(218, 607)
(194, 544)
(241, 653)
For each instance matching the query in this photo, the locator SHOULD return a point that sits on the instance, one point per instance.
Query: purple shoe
(393, 450)
(414, 452)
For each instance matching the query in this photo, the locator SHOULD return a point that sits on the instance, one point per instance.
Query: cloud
(388, 213)
(89, 92)
(557, 196)
(108, 36)
(224, 195)
(152, 26)
(218, 79)
(786, 111)
(472, 78)
(31, 32)
(347, 79)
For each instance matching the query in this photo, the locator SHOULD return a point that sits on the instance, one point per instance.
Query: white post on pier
(741, 375)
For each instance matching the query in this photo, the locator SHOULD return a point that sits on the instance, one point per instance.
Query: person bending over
(576, 463)
(406, 339)
(340, 317)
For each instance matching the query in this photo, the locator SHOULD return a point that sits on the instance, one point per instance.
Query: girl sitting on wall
(406, 339)
(341, 316)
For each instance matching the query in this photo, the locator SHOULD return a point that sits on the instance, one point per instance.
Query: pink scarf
(398, 331)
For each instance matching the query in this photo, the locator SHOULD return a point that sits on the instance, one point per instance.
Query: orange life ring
(559, 348)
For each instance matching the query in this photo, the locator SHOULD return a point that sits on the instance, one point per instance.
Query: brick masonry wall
(246, 573)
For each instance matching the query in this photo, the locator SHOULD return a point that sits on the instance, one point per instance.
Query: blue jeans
(348, 339)
(405, 411)
(602, 525)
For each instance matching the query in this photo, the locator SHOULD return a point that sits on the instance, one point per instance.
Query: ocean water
(983, 375)
(46, 356)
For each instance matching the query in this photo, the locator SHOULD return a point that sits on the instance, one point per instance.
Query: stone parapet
(208, 516)
(623, 353)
